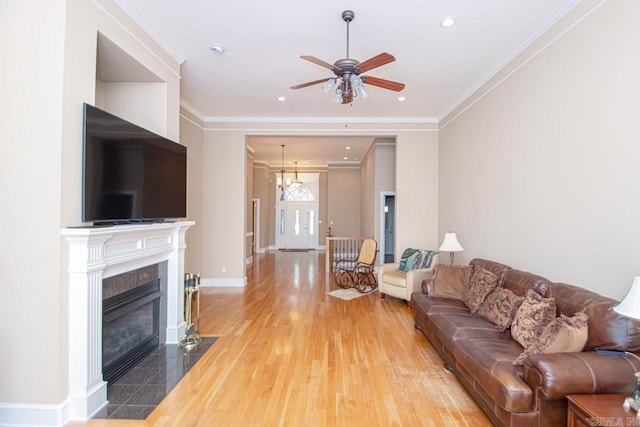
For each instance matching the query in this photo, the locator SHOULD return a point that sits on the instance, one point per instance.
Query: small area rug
(347, 294)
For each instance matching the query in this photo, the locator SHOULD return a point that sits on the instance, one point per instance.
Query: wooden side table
(588, 410)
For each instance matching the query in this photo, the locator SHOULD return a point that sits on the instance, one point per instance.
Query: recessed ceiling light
(348, 148)
(217, 49)
(345, 158)
(401, 98)
(448, 21)
(282, 98)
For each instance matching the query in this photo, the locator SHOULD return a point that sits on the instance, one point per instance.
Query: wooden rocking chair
(361, 276)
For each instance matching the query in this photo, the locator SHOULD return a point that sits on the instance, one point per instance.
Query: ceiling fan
(349, 81)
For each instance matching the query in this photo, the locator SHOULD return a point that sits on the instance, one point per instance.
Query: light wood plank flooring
(288, 354)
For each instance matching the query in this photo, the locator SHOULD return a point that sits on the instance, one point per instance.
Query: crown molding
(139, 19)
(340, 120)
(551, 20)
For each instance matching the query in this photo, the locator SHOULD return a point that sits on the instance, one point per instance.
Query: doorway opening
(388, 215)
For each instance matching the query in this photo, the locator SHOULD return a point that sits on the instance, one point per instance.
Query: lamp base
(451, 256)
(630, 403)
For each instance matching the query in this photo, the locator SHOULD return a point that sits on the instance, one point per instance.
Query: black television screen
(130, 174)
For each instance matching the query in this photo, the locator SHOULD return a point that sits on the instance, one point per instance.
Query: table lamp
(450, 244)
(630, 307)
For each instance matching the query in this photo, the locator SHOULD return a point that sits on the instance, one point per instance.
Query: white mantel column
(98, 253)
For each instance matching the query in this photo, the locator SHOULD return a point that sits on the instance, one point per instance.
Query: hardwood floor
(289, 354)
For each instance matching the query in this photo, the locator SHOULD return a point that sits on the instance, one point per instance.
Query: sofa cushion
(481, 284)
(607, 329)
(453, 327)
(451, 281)
(489, 364)
(563, 335)
(533, 315)
(500, 307)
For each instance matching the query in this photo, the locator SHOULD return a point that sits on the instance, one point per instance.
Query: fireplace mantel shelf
(96, 253)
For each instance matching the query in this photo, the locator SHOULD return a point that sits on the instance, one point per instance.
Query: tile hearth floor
(137, 393)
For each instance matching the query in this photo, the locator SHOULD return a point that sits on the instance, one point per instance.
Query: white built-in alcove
(127, 89)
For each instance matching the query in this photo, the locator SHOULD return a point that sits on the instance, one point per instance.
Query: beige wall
(30, 168)
(192, 135)
(377, 175)
(542, 172)
(249, 205)
(52, 71)
(261, 176)
(367, 192)
(224, 206)
(385, 172)
(343, 201)
(416, 191)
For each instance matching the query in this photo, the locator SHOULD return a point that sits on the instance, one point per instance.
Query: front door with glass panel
(298, 227)
(297, 215)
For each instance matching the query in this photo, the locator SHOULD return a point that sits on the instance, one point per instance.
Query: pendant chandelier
(285, 183)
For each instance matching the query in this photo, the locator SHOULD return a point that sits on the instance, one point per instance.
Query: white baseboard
(33, 414)
(51, 414)
(224, 282)
(174, 335)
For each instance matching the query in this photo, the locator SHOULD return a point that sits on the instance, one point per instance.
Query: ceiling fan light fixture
(329, 85)
(361, 92)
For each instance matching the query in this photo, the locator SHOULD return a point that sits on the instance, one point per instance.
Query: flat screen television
(129, 173)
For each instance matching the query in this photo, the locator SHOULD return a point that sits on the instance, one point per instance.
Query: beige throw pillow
(451, 281)
(481, 284)
(533, 315)
(563, 335)
(500, 307)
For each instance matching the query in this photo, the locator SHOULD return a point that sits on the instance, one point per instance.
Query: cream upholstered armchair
(401, 279)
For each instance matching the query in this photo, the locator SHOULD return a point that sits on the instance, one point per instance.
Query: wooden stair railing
(340, 249)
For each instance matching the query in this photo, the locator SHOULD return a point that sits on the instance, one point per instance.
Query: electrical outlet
(223, 269)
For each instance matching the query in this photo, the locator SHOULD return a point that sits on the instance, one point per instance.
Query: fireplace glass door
(130, 329)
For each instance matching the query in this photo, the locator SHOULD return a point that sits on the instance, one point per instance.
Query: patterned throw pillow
(412, 259)
(481, 284)
(407, 258)
(500, 307)
(563, 335)
(534, 314)
(451, 281)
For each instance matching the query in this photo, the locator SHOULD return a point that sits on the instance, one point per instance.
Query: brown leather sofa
(533, 394)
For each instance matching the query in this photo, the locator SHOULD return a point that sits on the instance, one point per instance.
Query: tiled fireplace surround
(99, 253)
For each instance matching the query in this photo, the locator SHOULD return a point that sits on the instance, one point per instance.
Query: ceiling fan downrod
(347, 16)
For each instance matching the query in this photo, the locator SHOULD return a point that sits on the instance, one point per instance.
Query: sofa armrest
(415, 278)
(554, 376)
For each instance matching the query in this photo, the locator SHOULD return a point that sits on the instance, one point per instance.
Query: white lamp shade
(450, 243)
(630, 305)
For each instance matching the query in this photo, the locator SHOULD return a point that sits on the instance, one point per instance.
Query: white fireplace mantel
(98, 253)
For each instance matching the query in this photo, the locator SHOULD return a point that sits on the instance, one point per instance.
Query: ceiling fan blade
(385, 84)
(315, 82)
(375, 62)
(320, 62)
